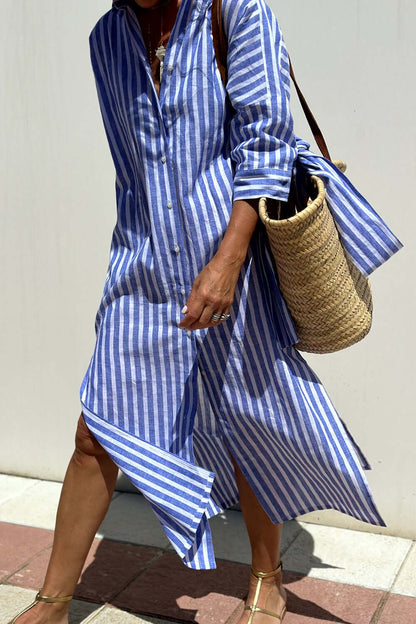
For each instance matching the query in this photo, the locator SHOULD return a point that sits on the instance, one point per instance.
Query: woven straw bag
(327, 296)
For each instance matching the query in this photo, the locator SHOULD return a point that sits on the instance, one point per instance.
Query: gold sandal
(253, 608)
(40, 598)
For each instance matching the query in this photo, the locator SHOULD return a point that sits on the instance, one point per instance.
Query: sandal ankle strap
(262, 575)
(40, 598)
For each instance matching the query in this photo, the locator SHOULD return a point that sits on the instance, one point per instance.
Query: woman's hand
(213, 290)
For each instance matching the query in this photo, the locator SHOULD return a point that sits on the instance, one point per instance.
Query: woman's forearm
(243, 221)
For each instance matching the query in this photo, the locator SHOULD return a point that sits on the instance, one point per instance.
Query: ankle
(264, 569)
(270, 577)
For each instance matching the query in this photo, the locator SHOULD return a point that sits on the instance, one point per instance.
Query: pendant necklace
(160, 53)
(161, 49)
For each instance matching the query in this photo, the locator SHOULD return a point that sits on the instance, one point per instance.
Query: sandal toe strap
(25, 610)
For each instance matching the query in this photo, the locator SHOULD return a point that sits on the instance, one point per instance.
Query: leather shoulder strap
(313, 124)
(221, 46)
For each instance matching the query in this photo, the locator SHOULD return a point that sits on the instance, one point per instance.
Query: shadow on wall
(152, 581)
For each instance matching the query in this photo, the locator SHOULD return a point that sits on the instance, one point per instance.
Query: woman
(195, 389)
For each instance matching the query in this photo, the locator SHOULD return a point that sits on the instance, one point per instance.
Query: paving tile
(231, 541)
(344, 556)
(398, 610)
(32, 574)
(131, 519)
(405, 582)
(20, 544)
(91, 617)
(229, 536)
(14, 599)
(290, 532)
(110, 567)
(80, 612)
(111, 615)
(168, 589)
(11, 486)
(312, 601)
(331, 517)
(36, 506)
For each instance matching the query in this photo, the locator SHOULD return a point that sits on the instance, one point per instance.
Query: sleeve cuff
(262, 183)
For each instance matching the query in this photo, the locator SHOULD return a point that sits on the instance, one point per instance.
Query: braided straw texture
(327, 296)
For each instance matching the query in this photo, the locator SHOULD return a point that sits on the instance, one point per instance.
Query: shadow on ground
(154, 582)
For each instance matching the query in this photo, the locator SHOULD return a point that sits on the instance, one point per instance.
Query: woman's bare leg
(264, 539)
(86, 495)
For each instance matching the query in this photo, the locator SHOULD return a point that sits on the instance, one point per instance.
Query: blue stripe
(364, 234)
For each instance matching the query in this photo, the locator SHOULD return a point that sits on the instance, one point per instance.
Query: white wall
(355, 61)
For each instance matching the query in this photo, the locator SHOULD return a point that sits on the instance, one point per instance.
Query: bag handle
(221, 46)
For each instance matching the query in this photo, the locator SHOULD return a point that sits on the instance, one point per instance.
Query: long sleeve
(263, 144)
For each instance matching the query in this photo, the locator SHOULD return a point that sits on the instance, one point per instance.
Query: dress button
(176, 249)
(163, 159)
(189, 333)
(170, 69)
(170, 205)
(183, 291)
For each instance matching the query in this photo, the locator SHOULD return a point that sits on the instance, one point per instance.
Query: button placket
(179, 281)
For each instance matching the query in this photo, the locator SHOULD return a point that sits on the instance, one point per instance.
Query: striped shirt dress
(166, 403)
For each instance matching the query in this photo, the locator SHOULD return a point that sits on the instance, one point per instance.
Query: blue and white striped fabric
(364, 234)
(166, 403)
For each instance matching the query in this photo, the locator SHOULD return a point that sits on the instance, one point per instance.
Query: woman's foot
(271, 597)
(45, 613)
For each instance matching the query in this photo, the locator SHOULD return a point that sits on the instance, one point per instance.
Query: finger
(215, 318)
(198, 311)
(196, 316)
(206, 324)
(203, 321)
(210, 316)
(192, 312)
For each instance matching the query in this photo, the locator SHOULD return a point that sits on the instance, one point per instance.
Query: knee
(85, 442)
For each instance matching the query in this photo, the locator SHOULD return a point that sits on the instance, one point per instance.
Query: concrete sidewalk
(133, 576)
